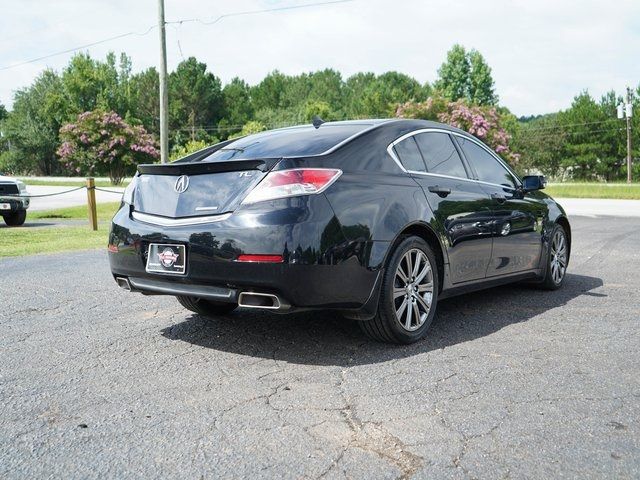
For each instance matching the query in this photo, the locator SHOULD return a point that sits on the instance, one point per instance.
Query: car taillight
(291, 183)
(127, 195)
(260, 258)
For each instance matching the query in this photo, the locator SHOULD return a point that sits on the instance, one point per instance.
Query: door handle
(441, 191)
(498, 197)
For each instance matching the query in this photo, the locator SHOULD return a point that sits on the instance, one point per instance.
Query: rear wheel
(408, 297)
(557, 260)
(205, 307)
(15, 219)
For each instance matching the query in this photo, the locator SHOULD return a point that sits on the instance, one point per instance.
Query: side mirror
(533, 182)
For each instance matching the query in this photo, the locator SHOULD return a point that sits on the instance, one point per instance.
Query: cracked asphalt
(512, 382)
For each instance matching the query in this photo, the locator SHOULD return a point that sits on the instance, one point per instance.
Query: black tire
(15, 219)
(550, 280)
(386, 326)
(205, 307)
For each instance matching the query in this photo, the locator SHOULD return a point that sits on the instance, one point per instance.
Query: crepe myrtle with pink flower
(102, 143)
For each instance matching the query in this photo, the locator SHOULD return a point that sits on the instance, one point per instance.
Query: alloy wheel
(413, 289)
(558, 262)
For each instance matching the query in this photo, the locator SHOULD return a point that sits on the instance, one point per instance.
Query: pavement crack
(373, 438)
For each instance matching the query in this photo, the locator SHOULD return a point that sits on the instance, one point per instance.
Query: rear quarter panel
(374, 200)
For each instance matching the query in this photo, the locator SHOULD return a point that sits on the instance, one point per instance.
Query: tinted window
(488, 168)
(440, 154)
(290, 142)
(408, 153)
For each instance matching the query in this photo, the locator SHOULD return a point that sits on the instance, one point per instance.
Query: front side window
(408, 153)
(440, 154)
(488, 168)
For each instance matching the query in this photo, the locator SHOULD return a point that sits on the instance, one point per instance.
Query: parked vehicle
(13, 208)
(376, 219)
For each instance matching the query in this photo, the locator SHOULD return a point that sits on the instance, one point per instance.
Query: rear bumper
(153, 286)
(321, 269)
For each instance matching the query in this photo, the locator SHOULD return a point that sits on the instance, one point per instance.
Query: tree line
(582, 142)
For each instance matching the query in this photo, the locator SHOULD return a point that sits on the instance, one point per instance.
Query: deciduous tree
(466, 75)
(32, 127)
(196, 96)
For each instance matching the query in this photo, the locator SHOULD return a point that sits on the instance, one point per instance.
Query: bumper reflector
(261, 258)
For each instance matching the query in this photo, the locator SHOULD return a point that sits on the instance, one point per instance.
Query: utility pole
(164, 94)
(628, 111)
(625, 110)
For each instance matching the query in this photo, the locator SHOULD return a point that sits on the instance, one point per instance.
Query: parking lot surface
(512, 382)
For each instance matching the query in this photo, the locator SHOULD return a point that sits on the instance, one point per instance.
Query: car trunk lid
(181, 190)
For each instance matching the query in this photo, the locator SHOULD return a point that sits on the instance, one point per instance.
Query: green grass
(595, 190)
(33, 240)
(105, 211)
(18, 241)
(81, 182)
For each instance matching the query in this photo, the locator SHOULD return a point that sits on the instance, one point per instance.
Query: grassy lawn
(595, 190)
(49, 239)
(105, 211)
(32, 240)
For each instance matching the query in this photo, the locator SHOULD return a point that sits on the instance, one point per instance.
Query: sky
(542, 52)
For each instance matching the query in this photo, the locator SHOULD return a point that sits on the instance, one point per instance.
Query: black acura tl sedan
(377, 219)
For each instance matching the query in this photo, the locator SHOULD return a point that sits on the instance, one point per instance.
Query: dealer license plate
(167, 258)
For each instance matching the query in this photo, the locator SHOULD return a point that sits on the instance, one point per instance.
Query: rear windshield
(290, 142)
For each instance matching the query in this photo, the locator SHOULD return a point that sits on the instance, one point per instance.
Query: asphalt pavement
(512, 382)
(595, 207)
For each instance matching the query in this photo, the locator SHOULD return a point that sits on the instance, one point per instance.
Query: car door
(517, 216)
(459, 204)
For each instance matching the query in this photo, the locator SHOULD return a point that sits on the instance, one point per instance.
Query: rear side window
(488, 168)
(440, 154)
(408, 153)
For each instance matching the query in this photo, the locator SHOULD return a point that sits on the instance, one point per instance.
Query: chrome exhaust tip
(266, 301)
(123, 283)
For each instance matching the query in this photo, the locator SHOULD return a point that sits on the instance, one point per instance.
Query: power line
(75, 49)
(562, 125)
(252, 12)
(188, 20)
(540, 136)
(214, 128)
(523, 131)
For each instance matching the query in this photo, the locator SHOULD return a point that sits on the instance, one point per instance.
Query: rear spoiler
(194, 168)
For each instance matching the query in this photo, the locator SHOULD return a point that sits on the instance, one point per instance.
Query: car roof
(295, 141)
(308, 140)
(373, 123)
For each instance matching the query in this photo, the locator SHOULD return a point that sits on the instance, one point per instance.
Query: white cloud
(542, 53)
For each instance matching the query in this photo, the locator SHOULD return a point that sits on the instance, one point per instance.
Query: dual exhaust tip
(123, 283)
(266, 301)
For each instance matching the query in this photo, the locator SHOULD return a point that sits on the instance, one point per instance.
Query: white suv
(13, 208)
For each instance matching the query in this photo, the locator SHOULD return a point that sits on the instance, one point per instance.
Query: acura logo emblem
(181, 184)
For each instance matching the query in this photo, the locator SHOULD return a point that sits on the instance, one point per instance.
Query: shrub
(102, 143)
(191, 146)
(249, 129)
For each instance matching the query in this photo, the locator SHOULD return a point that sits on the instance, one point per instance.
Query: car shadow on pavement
(325, 338)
